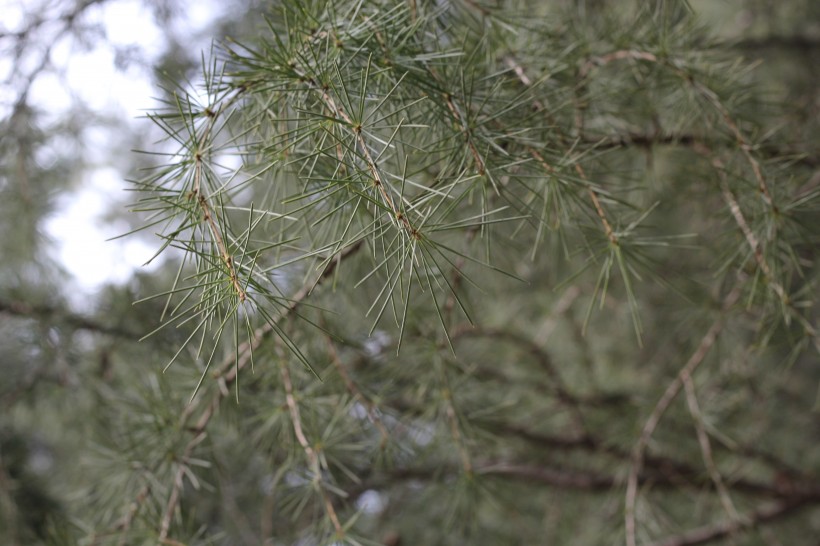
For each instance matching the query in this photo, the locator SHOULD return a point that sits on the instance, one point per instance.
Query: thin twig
(742, 142)
(310, 453)
(220, 243)
(646, 140)
(704, 91)
(370, 406)
(49, 313)
(659, 470)
(543, 359)
(128, 519)
(202, 199)
(176, 488)
(593, 194)
(748, 234)
(711, 533)
(559, 308)
(227, 372)
(663, 404)
(480, 167)
(452, 420)
(751, 239)
(706, 450)
(378, 180)
(475, 5)
(560, 478)
(602, 60)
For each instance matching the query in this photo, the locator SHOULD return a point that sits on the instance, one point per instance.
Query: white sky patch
(90, 74)
(371, 502)
(93, 78)
(130, 23)
(12, 15)
(81, 232)
(49, 91)
(78, 226)
(201, 13)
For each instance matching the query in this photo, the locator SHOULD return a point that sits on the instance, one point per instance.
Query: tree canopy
(453, 272)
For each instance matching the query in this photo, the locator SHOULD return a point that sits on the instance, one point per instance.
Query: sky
(89, 74)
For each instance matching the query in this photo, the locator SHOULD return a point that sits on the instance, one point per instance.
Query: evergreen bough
(454, 273)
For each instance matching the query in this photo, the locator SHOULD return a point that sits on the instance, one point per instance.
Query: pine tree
(449, 273)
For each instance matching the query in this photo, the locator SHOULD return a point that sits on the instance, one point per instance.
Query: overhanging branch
(47, 313)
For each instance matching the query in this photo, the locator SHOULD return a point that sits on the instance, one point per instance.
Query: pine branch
(568, 478)
(678, 67)
(45, 313)
(203, 201)
(706, 449)
(663, 404)
(227, 374)
(748, 234)
(544, 360)
(377, 177)
(561, 478)
(520, 72)
(384, 126)
(804, 44)
(310, 453)
(371, 407)
(754, 243)
(208, 215)
(765, 513)
(658, 470)
(649, 140)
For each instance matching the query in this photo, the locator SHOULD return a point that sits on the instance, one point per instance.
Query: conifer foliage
(455, 273)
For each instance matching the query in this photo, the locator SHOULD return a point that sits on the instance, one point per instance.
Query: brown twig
(710, 96)
(706, 449)
(748, 234)
(50, 313)
(691, 140)
(663, 404)
(711, 533)
(742, 142)
(128, 519)
(310, 453)
(560, 478)
(540, 356)
(480, 167)
(176, 488)
(478, 7)
(593, 194)
(658, 470)
(370, 406)
(751, 239)
(599, 209)
(378, 180)
(202, 199)
(602, 60)
(228, 371)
